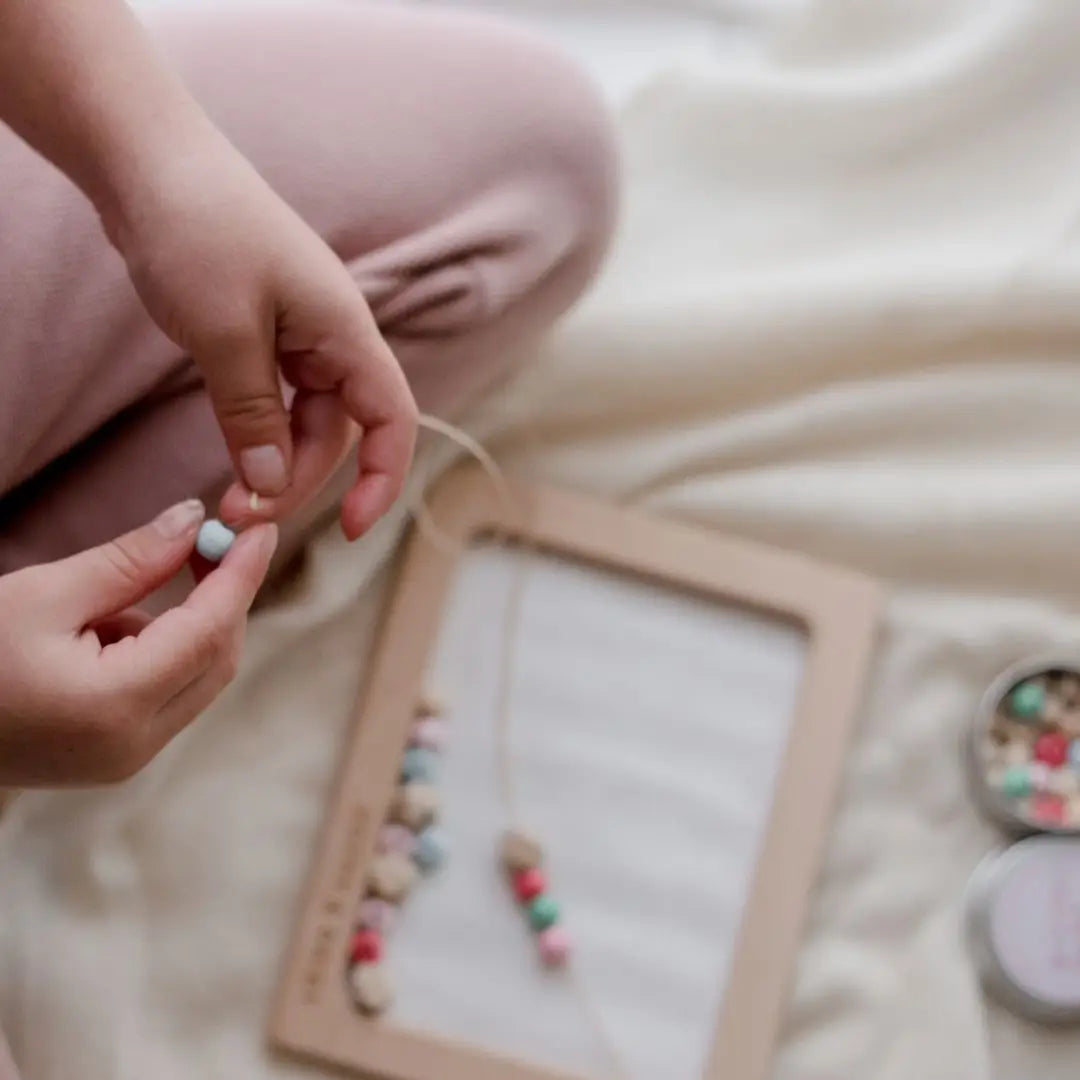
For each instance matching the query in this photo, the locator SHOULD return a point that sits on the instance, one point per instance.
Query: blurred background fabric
(842, 316)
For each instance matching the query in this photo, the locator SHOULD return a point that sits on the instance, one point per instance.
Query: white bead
(414, 806)
(1016, 753)
(370, 988)
(390, 877)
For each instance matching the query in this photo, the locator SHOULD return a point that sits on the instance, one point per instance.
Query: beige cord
(511, 622)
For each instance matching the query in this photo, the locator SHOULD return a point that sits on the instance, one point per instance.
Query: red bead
(1048, 809)
(366, 947)
(529, 884)
(1053, 748)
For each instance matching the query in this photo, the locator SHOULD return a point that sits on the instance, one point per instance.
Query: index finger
(181, 645)
(378, 398)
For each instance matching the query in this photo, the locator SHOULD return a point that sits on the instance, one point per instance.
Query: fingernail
(179, 520)
(264, 469)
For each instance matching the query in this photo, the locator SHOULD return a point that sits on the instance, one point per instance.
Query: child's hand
(223, 265)
(240, 282)
(90, 687)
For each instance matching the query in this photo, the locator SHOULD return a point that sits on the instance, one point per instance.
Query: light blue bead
(214, 540)
(1074, 753)
(431, 849)
(419, 764)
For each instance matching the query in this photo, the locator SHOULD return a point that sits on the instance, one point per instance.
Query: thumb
(241, 377)
(107, 579)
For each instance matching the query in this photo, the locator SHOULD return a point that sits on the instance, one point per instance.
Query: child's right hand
(91, 688)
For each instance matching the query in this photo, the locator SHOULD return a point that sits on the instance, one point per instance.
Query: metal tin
(1023, 927)
(993, 802)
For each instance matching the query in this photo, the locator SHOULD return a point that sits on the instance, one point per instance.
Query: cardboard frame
(313, 1015)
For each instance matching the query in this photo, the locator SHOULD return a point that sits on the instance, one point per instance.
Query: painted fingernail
(180, 520)
(264, 469)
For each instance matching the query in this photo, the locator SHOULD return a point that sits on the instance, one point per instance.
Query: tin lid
(1024, 927)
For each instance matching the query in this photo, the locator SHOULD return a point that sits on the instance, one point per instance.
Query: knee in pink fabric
(535, 228)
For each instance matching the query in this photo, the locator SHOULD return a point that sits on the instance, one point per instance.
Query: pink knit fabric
(463, 171)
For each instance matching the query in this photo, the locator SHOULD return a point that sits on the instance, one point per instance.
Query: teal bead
(1016, 783)
(214, 540)
(543, 912)
(1027, 700)
(430, 850)
(419, 765)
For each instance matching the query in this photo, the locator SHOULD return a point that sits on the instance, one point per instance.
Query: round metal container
(995, 804)
(1023, 925)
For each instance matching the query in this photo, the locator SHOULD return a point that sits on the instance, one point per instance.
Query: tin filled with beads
(1024, 748)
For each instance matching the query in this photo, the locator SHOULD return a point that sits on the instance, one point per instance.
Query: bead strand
(408, 844)
(522, 859)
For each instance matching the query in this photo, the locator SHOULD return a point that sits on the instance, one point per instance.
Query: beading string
(517, 511)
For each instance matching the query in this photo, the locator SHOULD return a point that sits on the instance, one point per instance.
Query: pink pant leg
(463, 171)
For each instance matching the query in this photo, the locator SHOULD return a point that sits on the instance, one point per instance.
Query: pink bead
(396, 840)
(1048, 810)
(376, 914)
(554, 945)
(1039, 775)
(430, 733)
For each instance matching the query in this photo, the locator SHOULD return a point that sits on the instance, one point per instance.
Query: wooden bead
(1014, 731)
(415, 805)
(1070, 722)
(430, 704)
(1069, 688)
(390, 877)
(1054, 712)
(371, 988)
(520, 851)
(1016, 753)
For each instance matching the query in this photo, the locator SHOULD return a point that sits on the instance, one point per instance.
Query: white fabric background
(843, 315)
